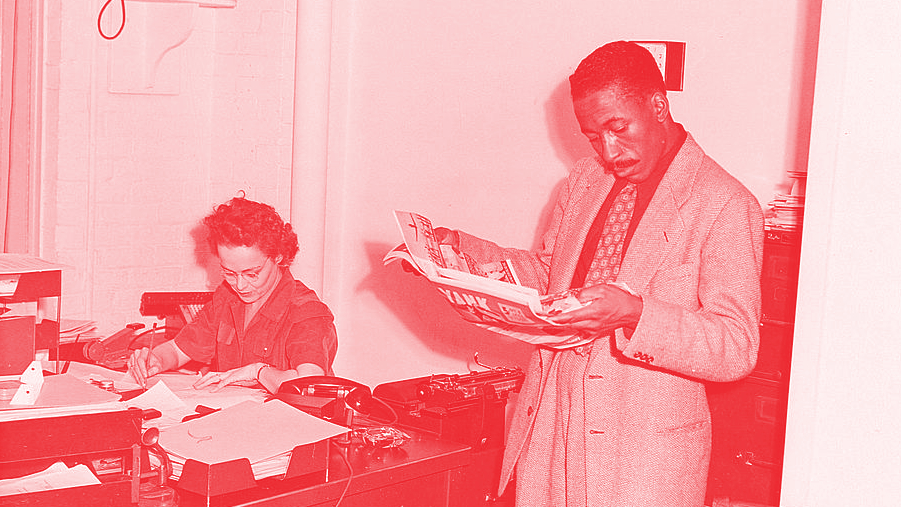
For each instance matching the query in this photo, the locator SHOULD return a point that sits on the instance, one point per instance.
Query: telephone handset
(351, 394)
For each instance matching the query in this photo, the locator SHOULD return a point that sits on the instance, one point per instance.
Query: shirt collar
(278, 300)
(665, 161)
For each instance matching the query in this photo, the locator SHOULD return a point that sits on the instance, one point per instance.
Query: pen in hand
(138, 364)
(149, 351)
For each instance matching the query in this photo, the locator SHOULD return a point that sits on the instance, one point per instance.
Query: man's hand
(610, 308)
(446, 236)
(244, 376)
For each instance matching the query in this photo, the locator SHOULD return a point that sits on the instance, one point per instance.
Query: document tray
(107, 442)
(309, 461)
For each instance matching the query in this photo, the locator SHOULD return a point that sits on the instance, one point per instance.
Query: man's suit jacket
(695, 260)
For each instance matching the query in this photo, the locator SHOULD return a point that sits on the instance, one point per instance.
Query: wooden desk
(424, 472)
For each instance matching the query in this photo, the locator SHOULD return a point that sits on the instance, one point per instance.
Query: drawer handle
(748, 458)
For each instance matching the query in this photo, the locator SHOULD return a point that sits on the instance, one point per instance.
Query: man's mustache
(621, 164)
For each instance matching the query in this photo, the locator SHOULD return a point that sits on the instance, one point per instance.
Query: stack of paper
(71, 330)
(264, 433)
(63, 395)
(786, 211)
(56, 476)
(12, 266)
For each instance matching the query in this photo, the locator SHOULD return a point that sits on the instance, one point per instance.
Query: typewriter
(467, 408)
(175, 308)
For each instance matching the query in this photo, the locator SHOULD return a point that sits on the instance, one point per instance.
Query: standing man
(624, 421)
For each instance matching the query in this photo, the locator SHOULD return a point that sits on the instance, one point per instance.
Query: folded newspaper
(488, 295)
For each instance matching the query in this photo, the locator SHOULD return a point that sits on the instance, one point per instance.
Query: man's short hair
(625, 65)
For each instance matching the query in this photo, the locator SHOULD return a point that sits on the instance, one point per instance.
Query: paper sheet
(66, 390)
(160, 397)
(31, 382)
(88, 372)
(56, 476)
(253, 430)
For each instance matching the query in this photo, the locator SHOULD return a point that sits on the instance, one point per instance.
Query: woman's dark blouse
(291, 328)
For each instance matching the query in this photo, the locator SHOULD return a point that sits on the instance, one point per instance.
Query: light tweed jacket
(695, 260)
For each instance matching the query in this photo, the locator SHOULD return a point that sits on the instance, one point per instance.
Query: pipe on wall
(309, 164)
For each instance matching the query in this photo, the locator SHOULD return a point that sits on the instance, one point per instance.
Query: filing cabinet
(748, 416)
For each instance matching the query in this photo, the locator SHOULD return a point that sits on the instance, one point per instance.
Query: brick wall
(130, 170)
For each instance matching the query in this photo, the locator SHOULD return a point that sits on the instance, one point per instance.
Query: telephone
(114, 350)
(332, 398)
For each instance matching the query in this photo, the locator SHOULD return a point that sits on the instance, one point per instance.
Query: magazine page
(549, 337)
(400, 253)
(488, 295)
(495, 285)
(421, 244)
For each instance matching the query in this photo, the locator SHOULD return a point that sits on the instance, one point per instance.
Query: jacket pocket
(678, 285)
(683, 450)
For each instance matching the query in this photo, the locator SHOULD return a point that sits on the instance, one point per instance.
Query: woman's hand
(244, 376)
(144, 364)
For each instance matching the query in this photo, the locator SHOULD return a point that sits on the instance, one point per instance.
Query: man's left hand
(610, 308)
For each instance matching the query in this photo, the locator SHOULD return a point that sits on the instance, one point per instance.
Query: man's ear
(661, 106)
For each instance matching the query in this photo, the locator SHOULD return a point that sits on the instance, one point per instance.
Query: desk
(427, 471)
(424, 472)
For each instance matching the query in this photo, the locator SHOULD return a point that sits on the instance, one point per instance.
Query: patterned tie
(605, 264)
(607, 257)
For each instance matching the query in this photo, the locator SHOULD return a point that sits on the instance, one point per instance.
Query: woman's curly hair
(242, 222)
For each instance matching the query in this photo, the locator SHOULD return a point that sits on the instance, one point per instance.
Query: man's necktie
(607, 257)
(609, 252)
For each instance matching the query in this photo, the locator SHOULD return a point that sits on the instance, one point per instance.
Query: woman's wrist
(260, 370)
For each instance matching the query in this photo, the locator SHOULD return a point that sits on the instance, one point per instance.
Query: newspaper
(488, 295)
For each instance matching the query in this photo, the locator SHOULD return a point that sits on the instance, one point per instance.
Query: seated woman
(262, 326)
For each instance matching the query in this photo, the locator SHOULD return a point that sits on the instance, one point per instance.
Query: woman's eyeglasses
(251, 276)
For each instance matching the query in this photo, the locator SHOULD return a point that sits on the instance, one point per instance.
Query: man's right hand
(144, 364)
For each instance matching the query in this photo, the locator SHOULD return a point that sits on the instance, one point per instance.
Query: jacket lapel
(662, 225)
(586, 200)
(660, 228)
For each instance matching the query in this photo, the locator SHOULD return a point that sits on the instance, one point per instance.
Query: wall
(460, 111)
(437, 108)
(842, 443)
(146, 132)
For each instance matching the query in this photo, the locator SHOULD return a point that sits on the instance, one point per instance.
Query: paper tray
(309, 461)
(108, 493)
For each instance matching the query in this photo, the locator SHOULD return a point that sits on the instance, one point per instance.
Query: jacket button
(529, 411)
